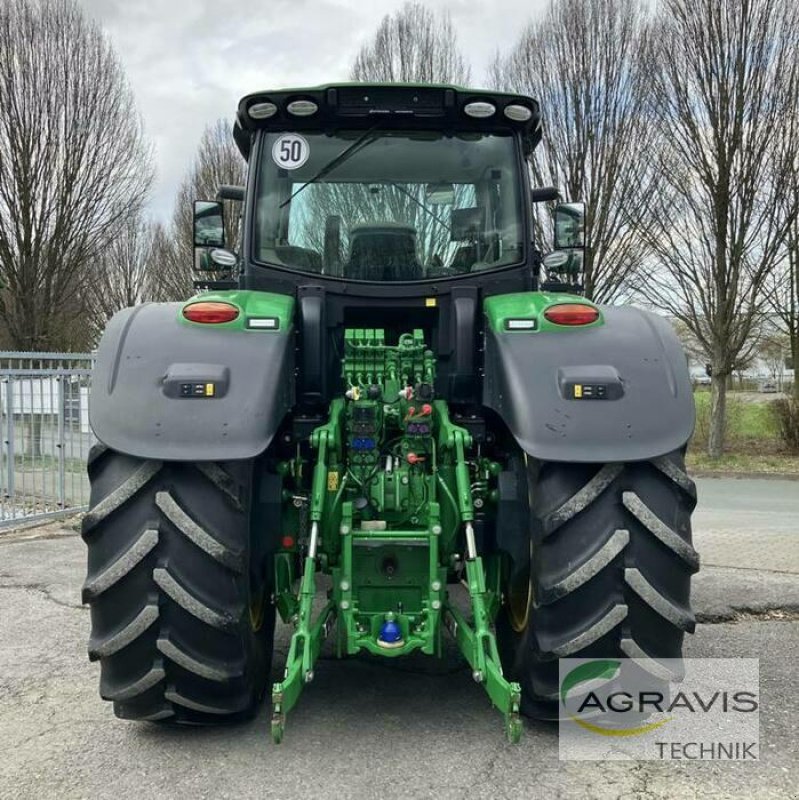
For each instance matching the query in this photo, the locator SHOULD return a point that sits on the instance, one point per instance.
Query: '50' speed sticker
(290, 151)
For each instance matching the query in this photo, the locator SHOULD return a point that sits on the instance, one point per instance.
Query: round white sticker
(290, 151)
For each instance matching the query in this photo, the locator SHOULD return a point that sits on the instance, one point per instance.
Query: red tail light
(210, 312)
(572, 314)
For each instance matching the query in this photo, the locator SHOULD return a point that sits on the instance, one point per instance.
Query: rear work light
(210, 312)
(520, 324)
(263, 323)
(572, 314)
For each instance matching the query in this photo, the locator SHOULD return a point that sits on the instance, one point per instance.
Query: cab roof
(402, 105)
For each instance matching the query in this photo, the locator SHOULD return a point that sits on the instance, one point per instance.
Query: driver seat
(384, 252)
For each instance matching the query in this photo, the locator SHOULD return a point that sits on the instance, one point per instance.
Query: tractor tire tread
(660, 530)
(606, 623)
(548, 593)
(194, 606)
(657, 669)
(121, 495)
(169, 586)
(122, 566)
(205, 669)
(235, 706)
(611, 566)
(138, 687)
(196, 534)
(657, 601)
(106, 646)
(582, 499)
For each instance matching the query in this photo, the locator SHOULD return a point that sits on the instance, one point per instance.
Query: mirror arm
(229, 192)
(544, 194)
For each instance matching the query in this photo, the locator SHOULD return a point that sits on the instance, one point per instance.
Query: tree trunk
(795, 365)
(718, 413)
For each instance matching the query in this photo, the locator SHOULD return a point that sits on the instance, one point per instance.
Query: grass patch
(747, 423)
(48, 463)
(752, 438)
(774, 463)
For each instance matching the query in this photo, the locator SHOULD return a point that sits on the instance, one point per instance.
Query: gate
(44, 425)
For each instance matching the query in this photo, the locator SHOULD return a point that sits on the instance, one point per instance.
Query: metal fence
(44, 425)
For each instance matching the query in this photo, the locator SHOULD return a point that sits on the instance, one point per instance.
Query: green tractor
(390, 394)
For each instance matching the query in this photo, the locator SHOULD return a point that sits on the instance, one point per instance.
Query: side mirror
(570, 226)
(209, 224)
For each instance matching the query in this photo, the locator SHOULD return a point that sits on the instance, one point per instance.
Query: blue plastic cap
(390, 632)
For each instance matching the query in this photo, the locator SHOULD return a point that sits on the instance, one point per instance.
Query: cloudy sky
(189, 61)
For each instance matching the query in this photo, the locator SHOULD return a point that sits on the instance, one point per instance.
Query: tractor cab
(407, 203)
(425, 183)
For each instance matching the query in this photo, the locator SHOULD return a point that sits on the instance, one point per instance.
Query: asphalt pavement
(372, 729)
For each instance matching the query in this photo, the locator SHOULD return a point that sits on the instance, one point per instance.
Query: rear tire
(182, 619)
(609, 574)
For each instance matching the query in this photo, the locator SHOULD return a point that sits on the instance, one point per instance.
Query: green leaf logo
(590, 671)
(605, 670)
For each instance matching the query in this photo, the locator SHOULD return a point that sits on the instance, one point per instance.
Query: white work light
(262, 110)
(302, 108)
(480, 109)
(518, 113)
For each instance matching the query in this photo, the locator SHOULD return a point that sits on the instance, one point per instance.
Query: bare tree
(789, 313)
(218, 161)
(772, 352)
(122, 274)
(693, 349)
(725, 84)
(73, 166)
(783, 289)
(585, 61)
(414, 45)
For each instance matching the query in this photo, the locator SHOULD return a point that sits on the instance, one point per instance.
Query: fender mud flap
(646, 410)
(145, 398)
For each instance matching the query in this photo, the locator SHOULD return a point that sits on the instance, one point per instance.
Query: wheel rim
(520, 589)
(519, 600)
(257, 606)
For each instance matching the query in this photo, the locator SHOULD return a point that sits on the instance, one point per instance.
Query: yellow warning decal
(578, 390)
(430, 302)
(332, 481)
(210, 389)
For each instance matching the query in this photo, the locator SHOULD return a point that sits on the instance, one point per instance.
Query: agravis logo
(668, 709)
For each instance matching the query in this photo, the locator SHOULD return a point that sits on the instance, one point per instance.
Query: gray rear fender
(646, 409)
(146, 359)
